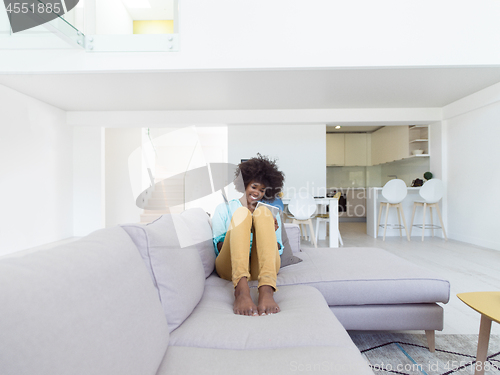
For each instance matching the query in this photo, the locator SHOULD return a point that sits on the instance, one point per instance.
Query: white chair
(301, 210)
(431, 193)
(394, 192)
(323, 217)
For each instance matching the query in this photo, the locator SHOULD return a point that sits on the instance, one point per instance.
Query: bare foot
(267, 305)
(243, 304)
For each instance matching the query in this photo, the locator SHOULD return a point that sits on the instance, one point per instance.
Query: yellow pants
(263, 264)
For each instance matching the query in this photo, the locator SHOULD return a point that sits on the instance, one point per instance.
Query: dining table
(333, 217)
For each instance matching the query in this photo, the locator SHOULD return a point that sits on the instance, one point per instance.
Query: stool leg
(413, 217)
(379, 217)
(432, 220)
(399, 221)
(404, 221)
(441, 221)
(423, 221)
(340, 239)
(386, 218)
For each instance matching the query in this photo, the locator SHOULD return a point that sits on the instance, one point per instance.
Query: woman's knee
(263, 213)
(242, 216)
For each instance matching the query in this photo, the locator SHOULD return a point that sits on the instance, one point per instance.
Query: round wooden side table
(488, 305)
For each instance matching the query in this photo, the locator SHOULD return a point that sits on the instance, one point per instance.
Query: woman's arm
(278, 233)
(219, 226)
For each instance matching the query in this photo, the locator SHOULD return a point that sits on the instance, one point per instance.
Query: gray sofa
(144, 300)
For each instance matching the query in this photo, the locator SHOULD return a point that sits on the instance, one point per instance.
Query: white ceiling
(244, 90)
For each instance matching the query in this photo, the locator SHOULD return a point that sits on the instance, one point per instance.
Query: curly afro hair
(262, 170)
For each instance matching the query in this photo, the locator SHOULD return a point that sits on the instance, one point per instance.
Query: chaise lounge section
(370, 289)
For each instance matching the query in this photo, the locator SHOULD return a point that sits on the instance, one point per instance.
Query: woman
(247, 240)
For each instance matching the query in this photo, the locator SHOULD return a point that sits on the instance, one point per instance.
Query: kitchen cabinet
(335, 150)
(355, 149)
(378, 148)
(401, 141)
(389, 144)
(347, 150)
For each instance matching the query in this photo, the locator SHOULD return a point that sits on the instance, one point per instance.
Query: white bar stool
(431, 192)
(394, 192)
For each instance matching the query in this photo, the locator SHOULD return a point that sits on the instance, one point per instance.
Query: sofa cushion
(304, 320)
(287, 257)
(331, 360)
(200, 236)
(174, 264)
(293, 235)
(364, 276)
(83, 308)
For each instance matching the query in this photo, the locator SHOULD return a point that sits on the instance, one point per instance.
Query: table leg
(482, 344)
(333, 222)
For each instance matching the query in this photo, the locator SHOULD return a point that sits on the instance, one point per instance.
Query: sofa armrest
(293, 234)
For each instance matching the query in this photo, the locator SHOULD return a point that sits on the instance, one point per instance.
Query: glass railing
(124, 29)
(55, 34)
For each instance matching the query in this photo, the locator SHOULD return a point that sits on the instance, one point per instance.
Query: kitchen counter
(373, 199)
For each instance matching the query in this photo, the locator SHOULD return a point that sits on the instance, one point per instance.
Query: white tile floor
(469, 268)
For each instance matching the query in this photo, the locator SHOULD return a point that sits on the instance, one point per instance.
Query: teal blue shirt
(222, 218)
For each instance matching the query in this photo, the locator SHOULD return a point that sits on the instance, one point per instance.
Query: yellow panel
(154, 27)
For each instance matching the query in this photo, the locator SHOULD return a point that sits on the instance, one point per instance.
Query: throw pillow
(201, 237)
(176, 269)
(287, 257)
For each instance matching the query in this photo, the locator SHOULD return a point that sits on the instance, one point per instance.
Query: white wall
(300, 150)
(436, 149)
(36, 174)
(222, 34)
(472, 155)
(88, 180)
(120, 200)
(340, 33)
